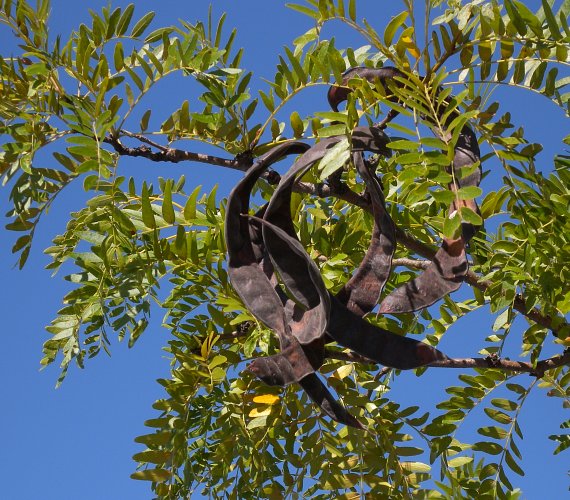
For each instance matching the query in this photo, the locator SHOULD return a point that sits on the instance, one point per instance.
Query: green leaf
(144, 120)
(564, 442)
(335, 158)
(408, 451)
(493, 432)
(142, 25)
(498, 416)
(304, 10)
(153, 456)
(504, 404)
(167, 207)
(444, 196)
(147, 212)
(505, 246)
(512, 464)
(551, 20)
(452, 226)
(157, 439)
(515, 17)
(352, 9)
(297, 125)
(125, 19)
(466, 55)
(257, 422)
(190, 207)
(488, 447)
(459, 461)
(154, 475)
(403, 144)
(119, 57)
(469, 192)
(529, 18)
(502, 320)
(416, 467)
(395, 23)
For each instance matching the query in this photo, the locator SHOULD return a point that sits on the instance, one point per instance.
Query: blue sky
(76, 442)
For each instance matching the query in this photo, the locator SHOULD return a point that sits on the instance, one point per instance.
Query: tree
(72, 110)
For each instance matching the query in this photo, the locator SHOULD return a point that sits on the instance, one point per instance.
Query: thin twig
(411, 263)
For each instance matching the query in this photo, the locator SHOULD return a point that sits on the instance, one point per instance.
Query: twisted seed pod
(252, 277)
(262, 244)
(300, 275)
(449, 266)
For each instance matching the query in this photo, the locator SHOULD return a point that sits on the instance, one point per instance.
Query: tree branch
(173, 155)
(411, 263)
(351, 356)
(506, 364)
(243, 162)
(519, 302)
(489, 362)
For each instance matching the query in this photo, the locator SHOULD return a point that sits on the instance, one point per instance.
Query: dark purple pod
(253, 279)
(339, 93)
(444, 275)
(352, 331)
(362, 292)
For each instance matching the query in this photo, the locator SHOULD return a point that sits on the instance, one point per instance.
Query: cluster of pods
(265, 255)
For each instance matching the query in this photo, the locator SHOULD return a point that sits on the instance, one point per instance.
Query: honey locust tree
(74, 109)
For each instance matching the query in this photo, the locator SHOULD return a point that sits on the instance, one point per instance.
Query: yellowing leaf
(410, 46)
(154, 475)
(343, 371)
(266, 399)
(256, 412)
(415, 467)
(459, 461)
(414, 52)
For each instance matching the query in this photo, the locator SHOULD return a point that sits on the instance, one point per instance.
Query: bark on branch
(506, 364)
(489, 362)
(172, 155)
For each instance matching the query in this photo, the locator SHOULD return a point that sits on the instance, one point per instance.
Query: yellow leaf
(414, 52)
(266, 399)
(256, 412)
(343, 371)
(411, 46)
(415, 466)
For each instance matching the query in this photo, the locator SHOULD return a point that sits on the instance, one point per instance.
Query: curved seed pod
(467, 153)
(377, 344)
(287, 367)
(274, 370)
(352, 331)
(361, 293)
(338, 94)
(290, 266)
(466, 149)
(327, 403)
(443, 276)
(249, 281)
(292, 270)
(308, 321)
(252, 276)
(449, 266)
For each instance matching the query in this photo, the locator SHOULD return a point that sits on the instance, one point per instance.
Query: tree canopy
(73, 109)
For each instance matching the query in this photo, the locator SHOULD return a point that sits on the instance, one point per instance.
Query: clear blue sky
(76, 442)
